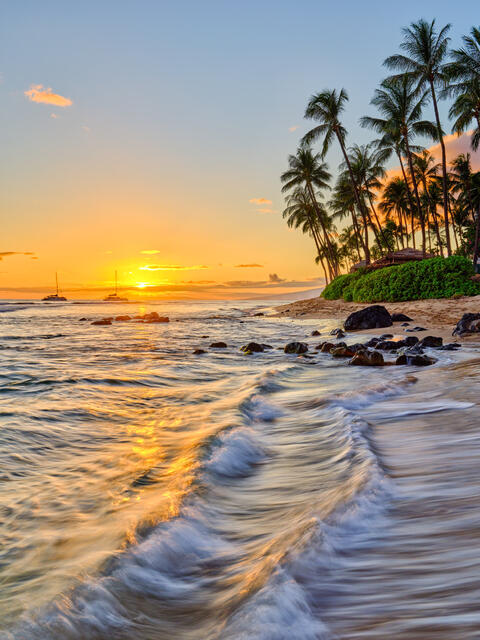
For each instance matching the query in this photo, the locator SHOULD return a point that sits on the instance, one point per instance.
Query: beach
(439, 315)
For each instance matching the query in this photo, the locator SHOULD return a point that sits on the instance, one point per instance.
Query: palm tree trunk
(378, 223)
(409, 196)
(356, 194)
(415, 189)
(320, 219)
(444, 167)
(476, 244)
(357, 232)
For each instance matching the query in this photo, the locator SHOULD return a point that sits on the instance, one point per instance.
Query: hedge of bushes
(432, 278)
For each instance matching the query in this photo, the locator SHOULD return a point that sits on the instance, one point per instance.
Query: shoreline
(437, 314)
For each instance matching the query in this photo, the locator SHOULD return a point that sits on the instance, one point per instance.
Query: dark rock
(469, 323)
(296, 347)
(415, 359)
(451, 346)
(315, 333)
(373, 317)
(409, 341)
(218, 345)
(342, 352)
(252, 347)
(258, 315)
(267, 346)
(368, 359)
(198, 352)
(122, 318)
(400, 317)
(326, 347)
(204, 336)
(83, 320)
(388, 345)
(358, 346)
(341, 334)
(386, 336)
(416, 329)
(431, 341)
(154, 317)
(405, 324)
(337, 332)
(372, 342)
(103, 322)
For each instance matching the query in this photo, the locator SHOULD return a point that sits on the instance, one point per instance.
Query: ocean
(148, 493)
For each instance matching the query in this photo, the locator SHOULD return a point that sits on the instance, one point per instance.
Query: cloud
(246, 266)
(53, 115)
(260, 201)
(266, 210)
(273, 277)
(38, 93)
(171, 267)
(6, 254)
(150, 252)
(294, 128)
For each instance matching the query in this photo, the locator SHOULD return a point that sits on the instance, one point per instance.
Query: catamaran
(114, 297)
(55, 297)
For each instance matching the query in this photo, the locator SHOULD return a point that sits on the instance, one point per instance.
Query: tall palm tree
(465, 64)
(307, 170)
(402, 105)
(425, 61)
(342, 204)
(326, 108)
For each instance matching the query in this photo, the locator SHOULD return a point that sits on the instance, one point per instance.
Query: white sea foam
(237, 455)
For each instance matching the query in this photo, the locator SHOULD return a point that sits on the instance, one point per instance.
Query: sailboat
(54, 297)
(114, 297)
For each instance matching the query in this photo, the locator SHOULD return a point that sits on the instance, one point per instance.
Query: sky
(148, 137)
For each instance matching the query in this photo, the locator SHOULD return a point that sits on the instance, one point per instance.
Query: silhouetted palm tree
(326, 108)
(402, 105)
(425, 62)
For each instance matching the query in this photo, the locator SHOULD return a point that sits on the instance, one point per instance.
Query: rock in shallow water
(103, 322)
(252, 347)
(431, 341)
(368, 359)
(296, 347)
(415, 359)
(218, 345)
(373, 317)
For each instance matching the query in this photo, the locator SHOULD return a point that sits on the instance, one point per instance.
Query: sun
(142, 285)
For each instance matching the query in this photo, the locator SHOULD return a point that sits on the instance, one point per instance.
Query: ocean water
(148, 493)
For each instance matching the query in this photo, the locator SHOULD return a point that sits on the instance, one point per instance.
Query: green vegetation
(433, 278)
(432, 203)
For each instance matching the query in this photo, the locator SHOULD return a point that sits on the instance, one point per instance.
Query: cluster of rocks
(148, 318)
(468, 323)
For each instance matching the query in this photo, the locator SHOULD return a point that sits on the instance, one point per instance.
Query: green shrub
(432, 278)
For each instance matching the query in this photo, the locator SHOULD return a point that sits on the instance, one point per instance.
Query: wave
(239, 452)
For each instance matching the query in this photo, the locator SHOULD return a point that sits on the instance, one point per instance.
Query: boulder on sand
(296, 347)
(373, 317)
(218, 345)
(400, 317)
(431, 341)
(468, 323)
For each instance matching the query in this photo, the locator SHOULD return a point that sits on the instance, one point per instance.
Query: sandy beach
(438, 315)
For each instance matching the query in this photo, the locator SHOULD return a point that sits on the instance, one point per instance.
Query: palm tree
(425, 62)
(307, 170)
(461, 181)
(326, 108)
(425, 171)
(343, 204)
(466, 111)
(465, 65)
(301, 214)
(395, 200)
(402, 105)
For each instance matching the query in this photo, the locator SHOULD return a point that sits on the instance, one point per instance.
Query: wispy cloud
(150, 252)
(39, 93)
(171, 267)
(246, 266)
(260, 201)
(294, 128)
(6, 254)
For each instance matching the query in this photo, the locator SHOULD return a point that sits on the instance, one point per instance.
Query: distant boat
(54, 297)
(114, 297)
